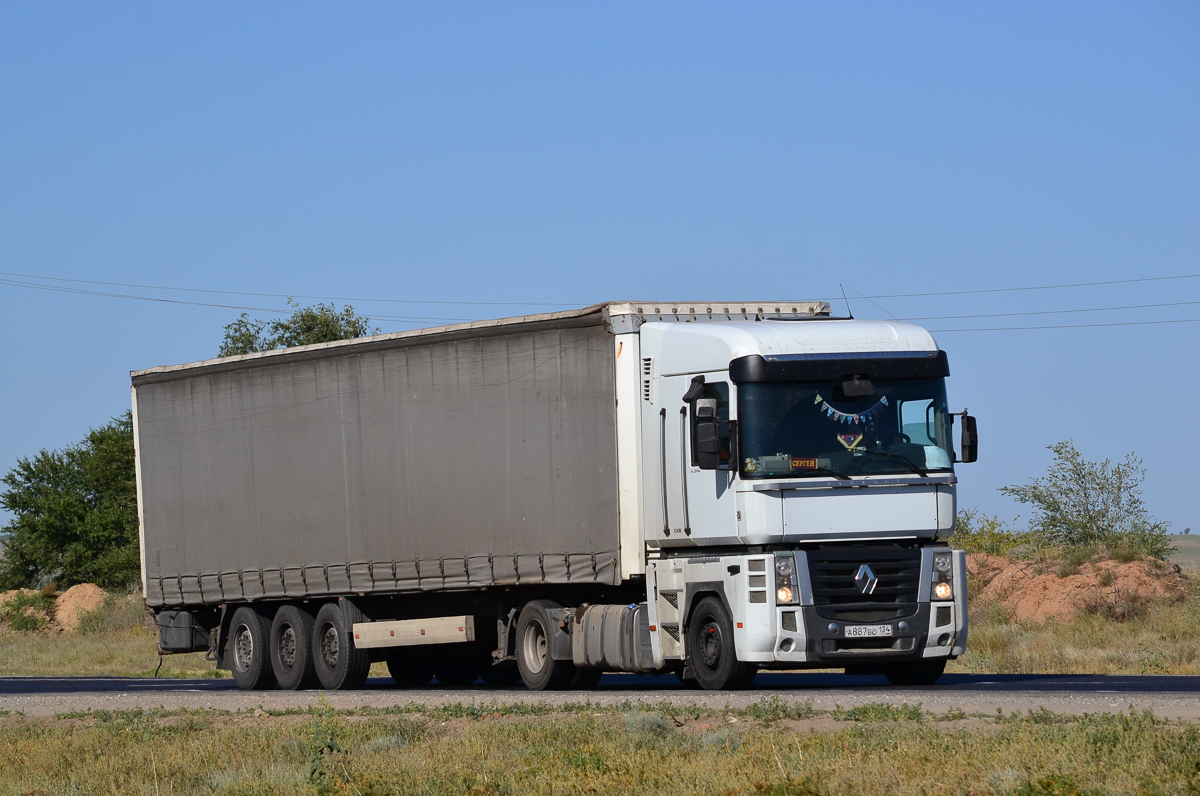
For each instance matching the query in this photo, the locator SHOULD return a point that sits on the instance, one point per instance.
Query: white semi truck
(709, 488)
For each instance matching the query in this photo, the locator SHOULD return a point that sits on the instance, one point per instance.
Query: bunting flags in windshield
(848, 417)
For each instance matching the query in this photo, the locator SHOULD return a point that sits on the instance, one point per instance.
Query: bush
(27, 611)
(319, 323)
(1081, 503)
(75, 513)
(978, 533)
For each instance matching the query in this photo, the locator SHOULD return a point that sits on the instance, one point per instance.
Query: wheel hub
(287, 647)
(329, 646)
(243, 648)
(536, 647)
(710, 644)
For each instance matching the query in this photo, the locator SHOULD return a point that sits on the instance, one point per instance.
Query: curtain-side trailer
(708, 488)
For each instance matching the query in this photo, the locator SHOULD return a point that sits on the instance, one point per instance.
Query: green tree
(75, 513)
(318, 323)
(1083, 503)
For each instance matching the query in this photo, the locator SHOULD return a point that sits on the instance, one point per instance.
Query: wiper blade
(915, 467)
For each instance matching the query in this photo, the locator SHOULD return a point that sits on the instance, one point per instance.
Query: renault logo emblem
(865, 580)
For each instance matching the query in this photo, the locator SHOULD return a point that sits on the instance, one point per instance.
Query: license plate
(868, 631)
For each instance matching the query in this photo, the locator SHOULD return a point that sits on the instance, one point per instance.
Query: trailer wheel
(248, 649)
(291, 648)
(711, 648)
(538, 668)
(408, 670)
(922, 673)
(340, 665)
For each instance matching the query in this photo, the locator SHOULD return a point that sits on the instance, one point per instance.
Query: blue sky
(563, 154)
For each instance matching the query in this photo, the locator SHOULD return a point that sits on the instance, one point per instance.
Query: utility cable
(1034, 287)
(1066, 326)
(1050, 312)
(284, 295)
(159, 299)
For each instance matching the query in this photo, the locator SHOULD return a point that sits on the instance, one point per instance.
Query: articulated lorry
(708, 488)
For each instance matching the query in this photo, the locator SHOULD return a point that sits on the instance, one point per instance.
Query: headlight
(941, 562)
(943, 591)
(785, 579)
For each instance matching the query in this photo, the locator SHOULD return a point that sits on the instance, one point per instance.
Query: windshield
(815, 429)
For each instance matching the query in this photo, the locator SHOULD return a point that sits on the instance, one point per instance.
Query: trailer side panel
(428, 465)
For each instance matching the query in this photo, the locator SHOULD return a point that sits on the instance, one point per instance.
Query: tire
(538, 669)
(457, 674)
(340, 665)
(925, 672)
(711, 649)
(249, 648)
(291, 648)
(408, 670)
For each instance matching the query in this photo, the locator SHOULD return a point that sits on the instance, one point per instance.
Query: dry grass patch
(113, 640)
(638, 750)
(1115, 633)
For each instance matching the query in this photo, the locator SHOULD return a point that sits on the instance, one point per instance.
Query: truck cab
(799, 476)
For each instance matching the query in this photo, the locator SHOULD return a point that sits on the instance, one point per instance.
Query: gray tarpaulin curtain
(425, 465)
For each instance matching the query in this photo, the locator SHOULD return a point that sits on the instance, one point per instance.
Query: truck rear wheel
(925, 672)
(291, 648)
(538, 668)
(711, 649)
(248, 650)
(340, 665)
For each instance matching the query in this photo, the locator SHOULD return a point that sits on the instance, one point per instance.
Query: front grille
(898, 571)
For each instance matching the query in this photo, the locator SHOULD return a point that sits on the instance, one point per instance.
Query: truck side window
(720, 391)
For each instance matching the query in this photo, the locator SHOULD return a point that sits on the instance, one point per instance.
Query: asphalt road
(1167, 696)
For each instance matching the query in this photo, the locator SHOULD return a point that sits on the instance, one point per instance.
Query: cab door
(700, 503)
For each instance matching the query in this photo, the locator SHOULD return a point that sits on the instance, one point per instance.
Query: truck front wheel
(248, 646)
(538, 668)
(711, 649)
(339, 664)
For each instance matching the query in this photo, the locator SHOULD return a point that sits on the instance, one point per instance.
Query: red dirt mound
(1040, 594)
(72, 604)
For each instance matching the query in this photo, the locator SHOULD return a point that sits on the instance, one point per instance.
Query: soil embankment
(1041, 591)
(54, 613)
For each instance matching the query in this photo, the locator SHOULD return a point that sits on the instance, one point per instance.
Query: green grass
(635, 750)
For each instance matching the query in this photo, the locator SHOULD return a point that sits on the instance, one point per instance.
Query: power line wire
(1031, 287)
(159, 299)
(283, 295)
(1049, 312)
(1065, 326)
(565, 304)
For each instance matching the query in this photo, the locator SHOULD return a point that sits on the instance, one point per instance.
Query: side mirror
(969, 446)
(708, 436)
